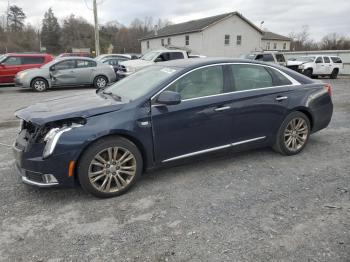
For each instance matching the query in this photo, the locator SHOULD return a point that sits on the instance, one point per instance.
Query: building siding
(279, 44)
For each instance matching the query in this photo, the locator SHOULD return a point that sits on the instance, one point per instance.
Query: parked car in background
(68, 71)
(163, 113)
(268, 57)
(150, 58)
(12, 63)
(317, 65)
(105, 56)
(80, 54)
(114, 61)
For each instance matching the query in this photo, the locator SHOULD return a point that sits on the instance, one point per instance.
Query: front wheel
(40, 85)
(109, 167)
(100, 82)
(334, 74)
(293, 134)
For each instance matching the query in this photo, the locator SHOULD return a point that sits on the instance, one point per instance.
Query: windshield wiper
(114, 96)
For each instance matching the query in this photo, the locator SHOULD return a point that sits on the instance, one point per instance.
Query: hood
(137, 63)
(80, 105)
(296, 62)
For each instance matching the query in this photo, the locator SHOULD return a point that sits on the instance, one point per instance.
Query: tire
(334, 74)
(291, 141)
(39, 84)
(100, 82)
(308, 72)
(104, 176)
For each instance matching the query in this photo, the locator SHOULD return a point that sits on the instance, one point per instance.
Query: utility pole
(97, 35)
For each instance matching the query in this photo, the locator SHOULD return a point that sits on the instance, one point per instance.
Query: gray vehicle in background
(68, 71)
(268, 57)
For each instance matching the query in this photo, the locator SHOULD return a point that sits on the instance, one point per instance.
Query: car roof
(75, 58)
(26, 54)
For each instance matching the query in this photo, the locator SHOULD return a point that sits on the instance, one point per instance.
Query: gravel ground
(250, 206)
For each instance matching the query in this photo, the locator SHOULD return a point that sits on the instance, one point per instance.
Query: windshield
(150, 56)
(141, 82)
(305, 58)
(2, 58)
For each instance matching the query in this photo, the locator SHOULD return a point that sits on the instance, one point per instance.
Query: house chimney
(156, 30)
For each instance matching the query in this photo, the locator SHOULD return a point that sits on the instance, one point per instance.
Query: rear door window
(27, 60)
(85, 63)
(248, 77)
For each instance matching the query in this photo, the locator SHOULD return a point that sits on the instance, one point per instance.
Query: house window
(268, 46)
(187, 40)
(284, 46)
(169, 41)
(274, 46)
(147, 44)
(227, 39)
(162, 42)
(239, 40)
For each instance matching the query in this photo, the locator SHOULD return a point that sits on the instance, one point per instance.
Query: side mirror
(52, 68)
(169, 98)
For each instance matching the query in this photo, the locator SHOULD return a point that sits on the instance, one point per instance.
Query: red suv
(11, 64)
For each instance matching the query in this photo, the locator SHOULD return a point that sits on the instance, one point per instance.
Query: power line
(87, 6)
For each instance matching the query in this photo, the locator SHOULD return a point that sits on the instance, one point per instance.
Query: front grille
(36, 177)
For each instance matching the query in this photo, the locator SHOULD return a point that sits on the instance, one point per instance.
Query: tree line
(77, 32)
(72, 32)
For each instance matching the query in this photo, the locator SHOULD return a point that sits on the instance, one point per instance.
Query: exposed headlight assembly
(22, 74)
(52, 137)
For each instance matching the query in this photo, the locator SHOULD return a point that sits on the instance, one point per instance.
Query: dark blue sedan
(164, 113)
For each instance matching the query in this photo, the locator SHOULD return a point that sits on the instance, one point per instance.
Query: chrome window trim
(294, 82)
(213, 149)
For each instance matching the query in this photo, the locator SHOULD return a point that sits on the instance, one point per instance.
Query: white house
(272, 41)
(225, 35)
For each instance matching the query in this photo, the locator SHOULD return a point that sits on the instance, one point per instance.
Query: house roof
(196, 26)
(272, 36)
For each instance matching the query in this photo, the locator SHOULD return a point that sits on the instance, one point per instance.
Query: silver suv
(269, 57)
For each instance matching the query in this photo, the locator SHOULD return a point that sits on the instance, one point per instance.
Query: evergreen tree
(15, 18)
(50, 33)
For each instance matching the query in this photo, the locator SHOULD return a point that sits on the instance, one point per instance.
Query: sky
(279, 16)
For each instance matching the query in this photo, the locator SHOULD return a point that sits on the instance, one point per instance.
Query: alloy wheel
(112, 169)
(39, 85)
(101, 82)
(296, 134)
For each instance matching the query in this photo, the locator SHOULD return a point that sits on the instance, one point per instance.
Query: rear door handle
(220, 109)
(281, 98)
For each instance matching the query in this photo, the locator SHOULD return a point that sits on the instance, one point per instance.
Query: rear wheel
(334, 74)
(100, 82)
(110, 167)
(293, 134)
(40, 84)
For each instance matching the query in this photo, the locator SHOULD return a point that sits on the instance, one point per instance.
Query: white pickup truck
(128, 67)
(314, 66)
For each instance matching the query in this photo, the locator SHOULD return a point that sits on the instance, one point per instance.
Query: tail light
(328, 88)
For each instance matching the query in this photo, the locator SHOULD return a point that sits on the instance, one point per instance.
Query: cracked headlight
(52, 137)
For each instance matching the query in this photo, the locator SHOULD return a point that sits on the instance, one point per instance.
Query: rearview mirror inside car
(169, 98)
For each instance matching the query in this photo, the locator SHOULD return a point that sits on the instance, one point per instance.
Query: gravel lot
(251, 206)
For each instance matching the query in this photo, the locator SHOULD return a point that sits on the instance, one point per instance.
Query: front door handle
(220, 109)
(281, 98)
